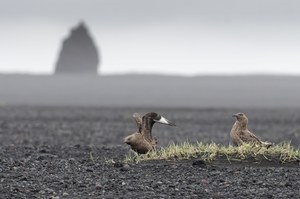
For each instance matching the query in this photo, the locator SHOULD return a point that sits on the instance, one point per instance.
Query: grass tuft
(109, 161)
(209, 152)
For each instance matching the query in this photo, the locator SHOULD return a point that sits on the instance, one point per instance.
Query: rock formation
(78, 54)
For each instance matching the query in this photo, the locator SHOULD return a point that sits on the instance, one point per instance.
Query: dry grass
(209, 152)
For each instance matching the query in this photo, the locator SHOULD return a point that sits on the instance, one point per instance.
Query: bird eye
(240, 114)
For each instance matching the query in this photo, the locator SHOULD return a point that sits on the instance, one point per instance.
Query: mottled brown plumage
(142, 140)
(240, 134)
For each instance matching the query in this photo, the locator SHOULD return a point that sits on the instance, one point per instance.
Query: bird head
(241, 117)
(154, 117)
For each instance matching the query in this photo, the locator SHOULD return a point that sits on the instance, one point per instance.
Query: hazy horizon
(162, 37)
(150, 91)
(135, 73)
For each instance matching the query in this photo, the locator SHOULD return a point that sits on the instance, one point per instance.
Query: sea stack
(79, 54)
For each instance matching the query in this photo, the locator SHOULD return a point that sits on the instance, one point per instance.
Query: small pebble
(125, 167)
(199, 163)
(65, 194)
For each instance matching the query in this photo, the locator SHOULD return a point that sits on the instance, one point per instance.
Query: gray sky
(186, 37)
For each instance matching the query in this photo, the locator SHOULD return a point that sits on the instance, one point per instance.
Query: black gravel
(78, 153)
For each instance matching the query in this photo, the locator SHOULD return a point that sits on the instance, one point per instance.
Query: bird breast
(138, 143)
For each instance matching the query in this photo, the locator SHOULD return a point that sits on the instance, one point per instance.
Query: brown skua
(240, 134)
(142, 141)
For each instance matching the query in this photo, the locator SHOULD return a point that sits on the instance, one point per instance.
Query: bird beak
(163, 120)
(235, 115)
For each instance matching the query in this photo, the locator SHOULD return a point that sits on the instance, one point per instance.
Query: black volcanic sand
(68, 152)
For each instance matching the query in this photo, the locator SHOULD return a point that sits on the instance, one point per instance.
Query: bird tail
(267, 144)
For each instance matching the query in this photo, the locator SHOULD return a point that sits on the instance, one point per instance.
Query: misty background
(170, 53)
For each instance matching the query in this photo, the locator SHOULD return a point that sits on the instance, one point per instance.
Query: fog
(203, 53)
(151, 91)
(166, 37)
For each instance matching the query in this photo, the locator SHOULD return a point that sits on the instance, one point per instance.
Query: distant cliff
(79, 54)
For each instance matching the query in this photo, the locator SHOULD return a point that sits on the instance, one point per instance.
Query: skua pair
(142, 140)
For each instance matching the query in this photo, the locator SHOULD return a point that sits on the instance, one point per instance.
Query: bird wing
(138, 120)
(147, 124)
(248, 136)
(236, 140)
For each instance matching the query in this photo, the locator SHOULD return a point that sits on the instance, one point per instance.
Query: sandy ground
(60, 152)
